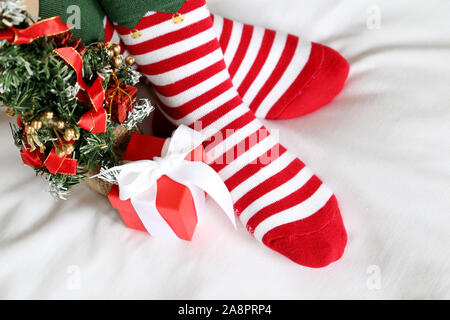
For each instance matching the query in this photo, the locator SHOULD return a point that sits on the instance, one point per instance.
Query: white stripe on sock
(233, 44)
(276, 194)
(250, 56)
(262, 175)
(166, 27)
(296, 66)
(194, 67)
(218, 25)
(212, 105)
(268, 68)
(247, 158)
(233, 140)
(175, 49)
(224, 121)
(301, 211)
(195, 91)
(216, 126)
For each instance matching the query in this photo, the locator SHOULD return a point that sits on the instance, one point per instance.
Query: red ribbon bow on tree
(46, 27)
(94, 120)
(56, 165)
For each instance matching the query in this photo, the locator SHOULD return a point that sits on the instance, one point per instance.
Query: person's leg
(280, 201)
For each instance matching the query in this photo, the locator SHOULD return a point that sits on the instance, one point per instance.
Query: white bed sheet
(383, 145)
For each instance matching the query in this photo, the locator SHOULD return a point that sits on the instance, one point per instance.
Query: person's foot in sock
(279, 75)
(279, 200)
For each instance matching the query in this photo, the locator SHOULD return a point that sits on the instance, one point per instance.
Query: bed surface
(383, 146)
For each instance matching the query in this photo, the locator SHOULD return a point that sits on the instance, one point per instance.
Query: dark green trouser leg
(86, 15)
(127, 13)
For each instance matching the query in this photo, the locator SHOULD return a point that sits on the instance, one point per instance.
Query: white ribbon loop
(137, 180)
(136, 177)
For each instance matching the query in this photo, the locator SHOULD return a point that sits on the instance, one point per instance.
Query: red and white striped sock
(279, 200)
(278, 75)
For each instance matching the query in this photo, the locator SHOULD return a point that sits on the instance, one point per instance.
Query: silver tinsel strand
(13, 12)
(108, 175)
(58, 191)
(72, 91)
(135, 76)
(140, 111)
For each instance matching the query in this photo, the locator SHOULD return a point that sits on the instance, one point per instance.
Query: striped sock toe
(332, 69)
(279, 75)
(311, 243)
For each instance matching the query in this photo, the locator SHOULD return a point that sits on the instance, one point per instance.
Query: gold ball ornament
(68, 148)
(60, 124)
(77, 136)
(60, 152)
(100, 44)
(36, 124)
(116, 49)
(130, 60)
(110, 53)
(117, 62)
(69, 134)
(29, 129)
(47, 115)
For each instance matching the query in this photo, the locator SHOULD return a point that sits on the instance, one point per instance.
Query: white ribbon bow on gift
(137, 181)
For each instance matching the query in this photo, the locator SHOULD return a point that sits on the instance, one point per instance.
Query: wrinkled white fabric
(382, 145)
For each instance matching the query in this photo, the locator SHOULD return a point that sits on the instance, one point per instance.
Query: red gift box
(174, 201)
(119, 101)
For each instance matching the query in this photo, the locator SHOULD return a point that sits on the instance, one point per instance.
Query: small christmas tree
(39, 87)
